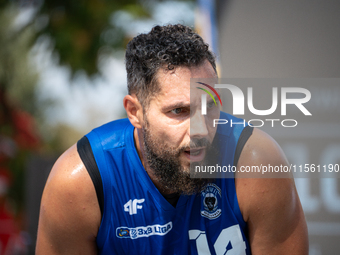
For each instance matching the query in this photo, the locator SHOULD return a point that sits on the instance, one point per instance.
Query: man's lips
(196, 154)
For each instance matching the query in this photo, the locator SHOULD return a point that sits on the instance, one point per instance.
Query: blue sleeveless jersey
(137, 219)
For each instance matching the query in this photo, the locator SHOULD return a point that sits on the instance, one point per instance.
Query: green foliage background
(75, 29)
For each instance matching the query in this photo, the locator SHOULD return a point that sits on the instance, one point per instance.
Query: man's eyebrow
(176, 105)
(184, 105)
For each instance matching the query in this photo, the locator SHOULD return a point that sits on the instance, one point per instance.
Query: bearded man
(129, 186)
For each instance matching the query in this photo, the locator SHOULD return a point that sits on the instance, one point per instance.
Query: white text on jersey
(132, 205)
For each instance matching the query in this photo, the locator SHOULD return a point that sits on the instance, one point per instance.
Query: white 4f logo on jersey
(132, 205)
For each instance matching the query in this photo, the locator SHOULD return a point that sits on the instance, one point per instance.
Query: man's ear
(134, 110)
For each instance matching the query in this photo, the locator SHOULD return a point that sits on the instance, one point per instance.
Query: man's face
(176, 134)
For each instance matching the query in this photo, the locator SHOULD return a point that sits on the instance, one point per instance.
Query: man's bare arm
(69, 214)
(270, 206)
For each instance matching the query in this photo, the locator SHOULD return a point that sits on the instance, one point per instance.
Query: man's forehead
(180, 77)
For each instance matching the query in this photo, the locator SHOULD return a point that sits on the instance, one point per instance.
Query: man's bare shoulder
(270, 205)
(69, 213)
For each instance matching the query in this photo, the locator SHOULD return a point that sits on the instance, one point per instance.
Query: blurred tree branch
(82, 29)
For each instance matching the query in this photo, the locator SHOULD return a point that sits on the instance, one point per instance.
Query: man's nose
(198, 127)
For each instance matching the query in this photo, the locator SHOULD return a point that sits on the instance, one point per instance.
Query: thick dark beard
(165, 164)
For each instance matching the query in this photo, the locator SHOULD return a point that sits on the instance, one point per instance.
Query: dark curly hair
(163, 47)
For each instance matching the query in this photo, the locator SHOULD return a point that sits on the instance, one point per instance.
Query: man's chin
(190, 189)
(195, 186)
(185, 183)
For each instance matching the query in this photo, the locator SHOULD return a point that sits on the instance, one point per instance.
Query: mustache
(196, 143)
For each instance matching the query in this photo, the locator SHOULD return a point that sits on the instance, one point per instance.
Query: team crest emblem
(211, 196)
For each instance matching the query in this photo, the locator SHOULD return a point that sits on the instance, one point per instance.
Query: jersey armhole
(86, 155)
(245, 134)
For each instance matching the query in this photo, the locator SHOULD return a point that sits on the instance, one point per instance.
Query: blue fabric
(137, 219)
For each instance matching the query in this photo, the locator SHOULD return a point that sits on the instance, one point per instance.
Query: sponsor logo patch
(134, 233)
(211, 196)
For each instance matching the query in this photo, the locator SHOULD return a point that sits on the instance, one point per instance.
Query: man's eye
(211, 104)
(177, 111)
